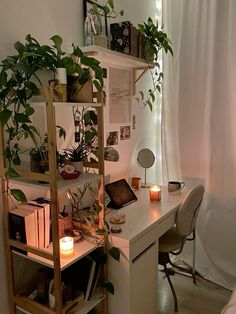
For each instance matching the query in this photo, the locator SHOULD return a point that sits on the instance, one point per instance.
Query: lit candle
(155, 193)
(67, 247)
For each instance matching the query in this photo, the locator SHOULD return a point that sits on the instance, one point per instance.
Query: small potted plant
(74, 156)
(155, 40)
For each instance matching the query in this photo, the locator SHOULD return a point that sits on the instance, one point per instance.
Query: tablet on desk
(120, 194)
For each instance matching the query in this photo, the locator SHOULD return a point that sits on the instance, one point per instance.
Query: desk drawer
(142, 243)
(165, 224)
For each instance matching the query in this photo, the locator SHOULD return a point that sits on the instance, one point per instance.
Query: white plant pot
(60, 75)
(78, 165)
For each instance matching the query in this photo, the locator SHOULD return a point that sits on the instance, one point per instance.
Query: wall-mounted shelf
(137, 65)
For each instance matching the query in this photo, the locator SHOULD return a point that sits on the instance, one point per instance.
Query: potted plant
(39, 154)
(75, 156)
(18, 74)
(155, 40)
(82, 72)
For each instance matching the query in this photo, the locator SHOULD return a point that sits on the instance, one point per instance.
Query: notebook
(120, 194)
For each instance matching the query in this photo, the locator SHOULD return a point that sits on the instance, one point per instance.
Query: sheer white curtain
(199, 122)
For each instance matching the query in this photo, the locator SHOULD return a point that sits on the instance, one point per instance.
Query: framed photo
(88, 6)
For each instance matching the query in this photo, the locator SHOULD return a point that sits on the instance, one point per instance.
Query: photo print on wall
(125, 132)
(112, 138)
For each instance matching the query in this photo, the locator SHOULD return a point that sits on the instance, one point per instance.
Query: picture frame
(88, 5)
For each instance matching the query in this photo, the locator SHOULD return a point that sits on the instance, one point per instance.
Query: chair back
(188, 211)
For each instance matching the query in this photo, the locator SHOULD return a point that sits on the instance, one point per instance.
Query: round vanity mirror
(146, 160)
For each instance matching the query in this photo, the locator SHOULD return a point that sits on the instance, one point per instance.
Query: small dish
(69, 176)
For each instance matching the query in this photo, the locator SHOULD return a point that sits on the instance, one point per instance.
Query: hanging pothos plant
(19, 74)
(155, 40)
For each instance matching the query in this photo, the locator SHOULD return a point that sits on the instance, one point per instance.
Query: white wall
(42, 19)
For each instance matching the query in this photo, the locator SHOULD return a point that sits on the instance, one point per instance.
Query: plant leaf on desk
(115, 253)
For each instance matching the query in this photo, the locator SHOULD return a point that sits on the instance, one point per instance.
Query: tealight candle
(155, 193)
(67, 247)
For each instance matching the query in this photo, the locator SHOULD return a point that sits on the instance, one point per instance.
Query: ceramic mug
(174, 186)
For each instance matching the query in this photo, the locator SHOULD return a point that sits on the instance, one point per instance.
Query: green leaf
(19, 47)
(3, 78)
(11, 173)
(21, 118)
(115, 253)
(5, 116)
(148, 102)
(141, 94)
(29, 110)
(121, 12)
(57, 41)
(101, 231)
(111, 4)
(18, 195)
(97, 85)
(16, 160)
(109, 287)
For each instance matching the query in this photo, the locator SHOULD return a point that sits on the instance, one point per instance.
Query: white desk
(135, 275)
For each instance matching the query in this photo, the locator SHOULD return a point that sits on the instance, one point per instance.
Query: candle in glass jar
(155, 193)
(67, 247)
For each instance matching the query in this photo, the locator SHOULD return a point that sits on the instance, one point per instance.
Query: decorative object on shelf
(96, 32)
(92, 28)
(121, 39)
(146, 160)
(155, 193)
(67, 247)
(154, 40)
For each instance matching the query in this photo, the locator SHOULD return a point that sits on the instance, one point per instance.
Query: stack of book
(30, 223)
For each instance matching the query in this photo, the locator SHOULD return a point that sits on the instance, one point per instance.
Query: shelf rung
(31, 249)
(32, 306)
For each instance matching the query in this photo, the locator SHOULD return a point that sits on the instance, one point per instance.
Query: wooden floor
(202, 298)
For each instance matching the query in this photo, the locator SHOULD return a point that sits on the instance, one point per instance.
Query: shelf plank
(113, 57)
(62, 184)
(81, 249)
(67, 104)
(32, 306)
(89, 305)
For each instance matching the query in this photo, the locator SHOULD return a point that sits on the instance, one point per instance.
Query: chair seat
(170, 241)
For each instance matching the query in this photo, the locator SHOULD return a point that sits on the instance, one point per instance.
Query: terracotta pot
(78, 93)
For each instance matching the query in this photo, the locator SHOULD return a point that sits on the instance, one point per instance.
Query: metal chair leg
(172, 288)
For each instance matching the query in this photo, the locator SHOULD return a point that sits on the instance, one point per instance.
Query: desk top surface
(144, 214)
